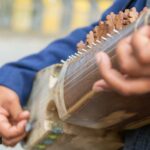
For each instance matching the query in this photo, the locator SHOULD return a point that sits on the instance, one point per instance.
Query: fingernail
(23, 123)
(27, 113)
(97, 89)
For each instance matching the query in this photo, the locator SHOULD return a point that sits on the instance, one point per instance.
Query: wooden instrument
(65, 111)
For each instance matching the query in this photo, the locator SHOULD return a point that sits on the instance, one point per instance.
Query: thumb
(9, 100)
(100, 86)
(104, 63)
(14, 108)
(24, 115)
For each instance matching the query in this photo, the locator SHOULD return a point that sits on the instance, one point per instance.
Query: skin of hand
(13, 118)
(133, 57)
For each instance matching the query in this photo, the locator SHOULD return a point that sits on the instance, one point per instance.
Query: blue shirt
(19, 75)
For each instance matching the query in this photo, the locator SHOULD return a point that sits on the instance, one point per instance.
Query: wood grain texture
(44, 115)
(62, 98)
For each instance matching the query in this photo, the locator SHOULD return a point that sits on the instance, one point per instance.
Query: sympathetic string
(113, 21)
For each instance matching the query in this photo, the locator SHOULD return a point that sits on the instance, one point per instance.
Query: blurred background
(49, 17)
(27, 26)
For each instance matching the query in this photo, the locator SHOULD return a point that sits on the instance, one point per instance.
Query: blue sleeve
(19, 75)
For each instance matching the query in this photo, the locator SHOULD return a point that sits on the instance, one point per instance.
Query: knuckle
(8, 143)
(135, 38)
(20, 132)
(147, 86)
(5, 143)
(126, 67)
(119, 46)
(7, 136)
(13, 144)
(143, 57)
(125, 91)
(10, 102)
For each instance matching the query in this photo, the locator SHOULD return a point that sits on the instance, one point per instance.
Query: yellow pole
(51, 16)
(22, 15)
(80, 13)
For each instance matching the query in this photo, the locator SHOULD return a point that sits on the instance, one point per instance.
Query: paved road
(14, 47)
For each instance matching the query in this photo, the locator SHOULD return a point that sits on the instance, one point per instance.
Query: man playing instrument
(17, 78)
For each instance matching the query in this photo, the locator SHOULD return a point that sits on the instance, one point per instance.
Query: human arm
(19, 75)
(13, 118)
(16, 83)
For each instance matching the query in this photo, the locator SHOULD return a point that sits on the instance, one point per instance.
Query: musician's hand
(133, 55)
(12, 118)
